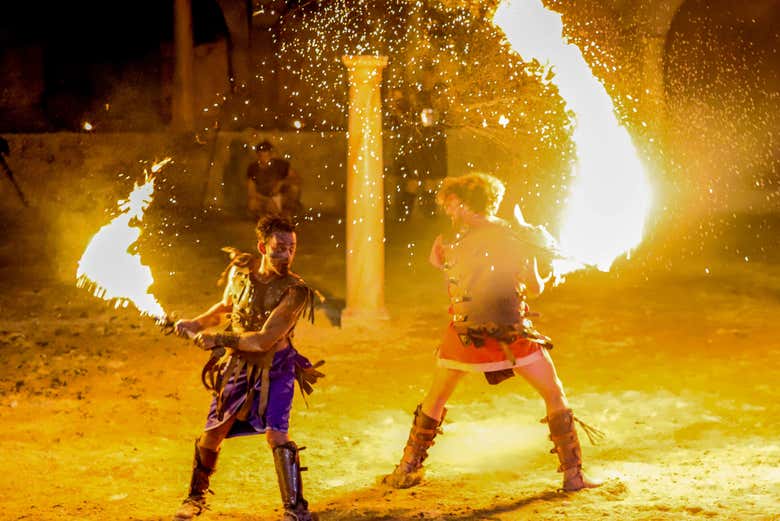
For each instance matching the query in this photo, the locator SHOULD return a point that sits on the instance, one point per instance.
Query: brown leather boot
(203, 466)
(288, 472)
(409, 472)
(563, 434)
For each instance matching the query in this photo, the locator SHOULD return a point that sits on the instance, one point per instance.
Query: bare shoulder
(495, 228)
(295, 294)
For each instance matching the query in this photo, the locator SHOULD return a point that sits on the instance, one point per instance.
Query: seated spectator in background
(272, 186)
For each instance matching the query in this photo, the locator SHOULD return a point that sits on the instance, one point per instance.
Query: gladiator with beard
(491, 267)
(254, 366)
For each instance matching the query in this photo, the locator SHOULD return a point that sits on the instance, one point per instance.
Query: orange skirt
(453, 354)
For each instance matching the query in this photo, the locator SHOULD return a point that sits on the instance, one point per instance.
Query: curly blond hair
(482, 193)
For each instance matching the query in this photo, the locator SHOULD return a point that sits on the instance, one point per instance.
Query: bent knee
(276, 438)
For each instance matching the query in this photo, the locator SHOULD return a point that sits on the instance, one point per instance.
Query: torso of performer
(253, 300)
(487, 266)
(258, 387)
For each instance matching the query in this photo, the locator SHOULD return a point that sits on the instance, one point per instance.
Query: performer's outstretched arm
(210, 318)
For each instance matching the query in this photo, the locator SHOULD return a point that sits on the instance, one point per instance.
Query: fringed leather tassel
(594, 435)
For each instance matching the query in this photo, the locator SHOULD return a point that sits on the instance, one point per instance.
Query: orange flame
(108, 267)
(610, 195)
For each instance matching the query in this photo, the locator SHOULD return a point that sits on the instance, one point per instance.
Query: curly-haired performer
(490, 268)
(254, 366)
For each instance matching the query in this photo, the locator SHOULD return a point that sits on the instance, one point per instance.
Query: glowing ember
(158, 166)
(87, 126)
(108, 267)
(610, 196)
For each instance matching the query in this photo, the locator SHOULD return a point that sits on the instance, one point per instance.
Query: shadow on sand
(377, 503)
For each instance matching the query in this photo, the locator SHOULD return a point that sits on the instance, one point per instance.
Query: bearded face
(455, 209)
(280, 252)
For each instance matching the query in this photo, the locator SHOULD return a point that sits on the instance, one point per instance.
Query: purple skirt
(280, 395)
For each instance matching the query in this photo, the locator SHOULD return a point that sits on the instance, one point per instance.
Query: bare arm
(210, 318)
(251, 194)
(213, 316)
(437, 256)
(281, 320)
(293, 175)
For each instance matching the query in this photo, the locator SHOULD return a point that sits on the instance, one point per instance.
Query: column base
(352, 318)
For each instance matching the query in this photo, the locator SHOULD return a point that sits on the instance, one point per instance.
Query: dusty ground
(99, 411)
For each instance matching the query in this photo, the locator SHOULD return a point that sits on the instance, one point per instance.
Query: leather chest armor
(253, 300)
(486, 268)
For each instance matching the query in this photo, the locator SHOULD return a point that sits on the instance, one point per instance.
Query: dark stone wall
(74, 180)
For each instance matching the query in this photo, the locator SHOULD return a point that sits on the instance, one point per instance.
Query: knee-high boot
(563, 434)
(203, 466)
(409, 472)
(288, 472)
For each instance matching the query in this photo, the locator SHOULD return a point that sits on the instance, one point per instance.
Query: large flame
(108, 267)
(610, 195)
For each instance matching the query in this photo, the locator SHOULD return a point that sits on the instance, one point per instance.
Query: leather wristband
(227, 339)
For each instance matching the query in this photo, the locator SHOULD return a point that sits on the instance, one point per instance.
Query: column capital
(366, 61)
(183, 103)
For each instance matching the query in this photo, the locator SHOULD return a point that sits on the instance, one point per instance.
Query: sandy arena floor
(680, 368)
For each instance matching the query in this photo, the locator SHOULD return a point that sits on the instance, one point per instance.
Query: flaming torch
(610, 196)
(107, 266)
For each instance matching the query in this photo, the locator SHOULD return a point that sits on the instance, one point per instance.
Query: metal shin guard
(563, 434)
(288, 473)
(409, 472)
(203, 466)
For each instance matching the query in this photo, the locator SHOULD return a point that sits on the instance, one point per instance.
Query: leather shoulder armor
(254, 301)
(278, 288)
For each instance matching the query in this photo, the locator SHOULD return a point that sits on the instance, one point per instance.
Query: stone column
(183, 81)
(237, 21)
(365, 193)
